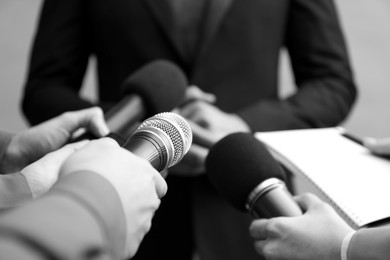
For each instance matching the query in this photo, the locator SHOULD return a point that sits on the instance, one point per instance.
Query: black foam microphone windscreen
(242, 169)
(156, 87)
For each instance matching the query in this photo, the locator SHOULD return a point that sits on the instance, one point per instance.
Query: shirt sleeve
(81, 217)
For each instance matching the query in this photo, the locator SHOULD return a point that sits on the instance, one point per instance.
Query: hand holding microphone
(245, 173)
(156, 87)
(163, 139)
(209, 124)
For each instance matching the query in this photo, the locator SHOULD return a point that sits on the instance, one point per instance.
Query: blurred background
(366, 25)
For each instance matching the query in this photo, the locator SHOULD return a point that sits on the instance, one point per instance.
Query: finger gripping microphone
(156, 87)
(241, 168)
(162, 140)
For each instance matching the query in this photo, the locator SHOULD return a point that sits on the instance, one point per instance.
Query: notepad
(345, 174)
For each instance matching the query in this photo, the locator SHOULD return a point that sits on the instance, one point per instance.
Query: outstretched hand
(317, 234)
(32, 144)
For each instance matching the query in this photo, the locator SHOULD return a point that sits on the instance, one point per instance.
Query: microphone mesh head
(178, 130)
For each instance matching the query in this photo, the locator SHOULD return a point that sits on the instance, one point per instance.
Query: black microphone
(245, 173)
(162, 140)
(156, 87)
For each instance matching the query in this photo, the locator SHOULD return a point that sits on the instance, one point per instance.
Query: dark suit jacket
(238, 60)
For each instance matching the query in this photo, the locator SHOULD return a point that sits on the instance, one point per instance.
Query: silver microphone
(271, 198)
(162, 140)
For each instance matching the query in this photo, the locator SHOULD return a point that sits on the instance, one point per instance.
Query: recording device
(162, 140)
(245, 173)
(156, 87)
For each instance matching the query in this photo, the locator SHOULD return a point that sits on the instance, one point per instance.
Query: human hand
(43, 173)
(193, 93)
(209, 124)
(379, 146)
(33, 143)
(138, 184)
(192, 163)
(317, 234)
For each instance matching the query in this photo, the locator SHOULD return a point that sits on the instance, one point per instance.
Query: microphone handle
(125, 115)
(153, 145)
(122, 119)
(272, 199)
